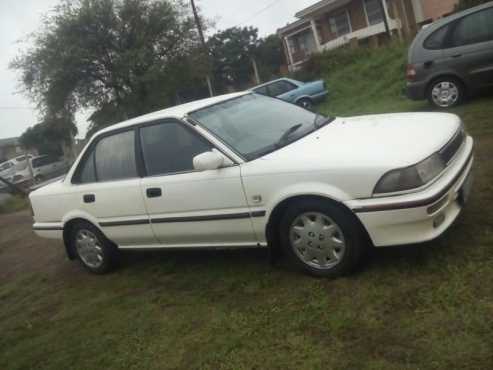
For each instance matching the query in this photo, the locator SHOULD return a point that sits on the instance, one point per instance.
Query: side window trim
(75, 180)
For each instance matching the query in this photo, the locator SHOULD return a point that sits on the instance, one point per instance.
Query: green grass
(422, 307)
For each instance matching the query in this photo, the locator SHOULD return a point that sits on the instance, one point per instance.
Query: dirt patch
(21, 251)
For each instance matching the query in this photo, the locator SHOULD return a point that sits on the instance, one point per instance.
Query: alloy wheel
(89, 248)
(445, 94)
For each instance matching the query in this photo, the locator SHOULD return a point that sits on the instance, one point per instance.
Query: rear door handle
(89, 198)
(457, 56)
(154, 192)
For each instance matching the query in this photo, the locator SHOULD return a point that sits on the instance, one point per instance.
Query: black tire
(306, 103)
(461, 92)
(355, 241)
(108, 251)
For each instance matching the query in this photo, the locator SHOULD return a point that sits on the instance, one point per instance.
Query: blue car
(301, 93)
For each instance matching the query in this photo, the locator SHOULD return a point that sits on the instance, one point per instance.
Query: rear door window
(473, 29)
(112, 158)
(88, 173)
(115, 157)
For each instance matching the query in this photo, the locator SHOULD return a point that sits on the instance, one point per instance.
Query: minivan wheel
(96, 253)
(322, 238)
(446, 92)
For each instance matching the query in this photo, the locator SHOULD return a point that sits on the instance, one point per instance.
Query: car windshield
(254, 125)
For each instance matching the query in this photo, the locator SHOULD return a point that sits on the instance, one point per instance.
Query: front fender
(307, 189)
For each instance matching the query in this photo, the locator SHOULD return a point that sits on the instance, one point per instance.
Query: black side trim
(258, 214)
(48, 228)
(124, 223)
(232, 216)
(417, 203)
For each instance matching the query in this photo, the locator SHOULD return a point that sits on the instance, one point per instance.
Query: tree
(232, 50)
(120, 58)
(466, 4)
(270, 56)
(48, 136)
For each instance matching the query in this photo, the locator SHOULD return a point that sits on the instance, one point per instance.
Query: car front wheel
(322, 238)
(96, 253)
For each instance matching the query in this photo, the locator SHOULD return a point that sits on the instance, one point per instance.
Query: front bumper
(49, 230)
(423, 216)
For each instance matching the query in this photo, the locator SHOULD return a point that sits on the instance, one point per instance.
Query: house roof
(292, 26)
(323, 4)
(178, 111)
(11, 141)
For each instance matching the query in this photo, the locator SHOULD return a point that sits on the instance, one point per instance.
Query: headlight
(411, 177)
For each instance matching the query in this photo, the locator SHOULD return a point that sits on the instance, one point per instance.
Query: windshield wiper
(287, 134)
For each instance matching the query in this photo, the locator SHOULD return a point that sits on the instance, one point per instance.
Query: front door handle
(457, 56)
(89, 198)
(154, 192)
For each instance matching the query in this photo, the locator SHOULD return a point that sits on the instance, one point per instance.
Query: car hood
(379, 142)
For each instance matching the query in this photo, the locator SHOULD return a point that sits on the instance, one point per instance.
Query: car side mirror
(208, 161)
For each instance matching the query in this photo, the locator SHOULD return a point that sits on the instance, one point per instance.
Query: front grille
(450, 149)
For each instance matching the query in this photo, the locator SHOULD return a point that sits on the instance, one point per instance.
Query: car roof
(178, 111)
(279, 79)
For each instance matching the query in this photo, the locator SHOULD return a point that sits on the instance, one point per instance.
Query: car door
(470, 49)
(107, 186)
(188, 207)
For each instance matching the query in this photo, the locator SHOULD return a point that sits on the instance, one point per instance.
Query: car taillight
(411, 72)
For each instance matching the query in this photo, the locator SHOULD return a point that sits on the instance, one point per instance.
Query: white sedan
(247, 170)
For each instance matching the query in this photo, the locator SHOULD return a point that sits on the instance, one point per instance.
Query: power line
(270, 5)
(28, 108)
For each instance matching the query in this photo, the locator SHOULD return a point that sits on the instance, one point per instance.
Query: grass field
(416, 307)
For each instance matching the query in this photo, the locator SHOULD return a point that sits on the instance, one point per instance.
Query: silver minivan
(452, 58)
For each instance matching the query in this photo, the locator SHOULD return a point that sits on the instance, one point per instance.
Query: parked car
(452, 58)
(20, 171)
(247, 170)
(45, 166)
(297, 92)
(7, 172)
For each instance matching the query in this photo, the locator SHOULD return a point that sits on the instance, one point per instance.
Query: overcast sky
(19, 18)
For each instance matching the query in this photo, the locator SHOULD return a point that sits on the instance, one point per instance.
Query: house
(329, 24)
(10, 148)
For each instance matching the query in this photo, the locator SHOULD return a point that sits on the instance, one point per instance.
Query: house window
(340, 24)
(373, 10)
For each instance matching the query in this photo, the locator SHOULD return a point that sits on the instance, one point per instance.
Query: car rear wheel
(305, 103)
(446, 92)
(96, 253)
(322, 238)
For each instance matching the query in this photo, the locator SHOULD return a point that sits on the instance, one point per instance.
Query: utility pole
(255, 71)
(206, 50)
(385, 19)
